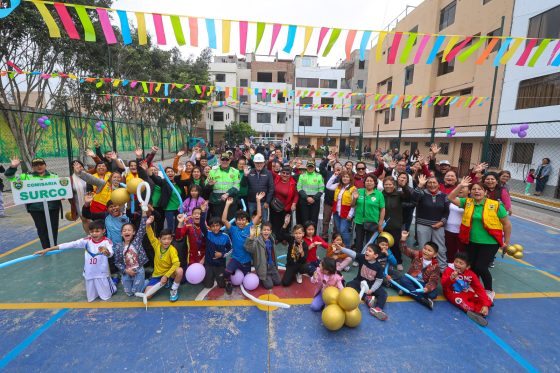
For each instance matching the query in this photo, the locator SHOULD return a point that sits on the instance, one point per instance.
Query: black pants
(308, 212)
(480, 256)
(41, 225)
(408, 214)
(217, 209)
(290, 273)
(277, 221)
(362, 237)
(395, 249)
(214, 273)
(380, 294)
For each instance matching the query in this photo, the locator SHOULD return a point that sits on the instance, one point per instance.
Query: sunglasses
(225, 159)
(360, 168)
(284, 173)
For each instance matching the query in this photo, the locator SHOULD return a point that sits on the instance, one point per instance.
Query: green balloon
(48, 122)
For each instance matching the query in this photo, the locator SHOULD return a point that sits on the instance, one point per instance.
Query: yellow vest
(490, 220)
(346, 202)
(104, 195)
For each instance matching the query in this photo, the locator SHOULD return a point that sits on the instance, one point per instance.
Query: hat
(310, 164)
(446, 162)
(38, 161)
(258, 158)
(225, 156)
(286, 169)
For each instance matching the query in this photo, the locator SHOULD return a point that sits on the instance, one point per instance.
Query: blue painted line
(508, 349)
(27, 341)
(527, 266)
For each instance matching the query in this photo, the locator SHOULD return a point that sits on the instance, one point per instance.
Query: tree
(236, 133)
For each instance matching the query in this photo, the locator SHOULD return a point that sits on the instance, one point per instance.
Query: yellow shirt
(164, 264)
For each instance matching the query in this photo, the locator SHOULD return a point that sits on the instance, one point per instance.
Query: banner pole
(49, 225)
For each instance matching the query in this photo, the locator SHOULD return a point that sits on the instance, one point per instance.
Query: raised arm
(452, 197)
(225, 220)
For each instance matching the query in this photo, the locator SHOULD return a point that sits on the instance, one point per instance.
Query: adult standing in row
(284, 200)
(393, 216)
(369, 217)
(225, 183)
(342, 208)
(327, 168)
(36, 209)
(310, 188)
(259, 180)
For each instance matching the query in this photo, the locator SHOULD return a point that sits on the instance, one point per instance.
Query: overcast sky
(348, 14)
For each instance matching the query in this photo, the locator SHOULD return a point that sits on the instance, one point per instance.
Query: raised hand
(466, 181)
(150, 220)
(138, 153)
(253, 231)
(14, 161)
(229, 201)
(96, 143)
(435, 149)
(144, 165)
(180, 153)
(204, 206)
(210, 181)
(422, 181)
(480, 167)
(88, 198)
(392, 164)
(90, 153)
(422, 159)
(181, 218)
(404, 235)
(246, 170)
(155, 149)
(260, 196)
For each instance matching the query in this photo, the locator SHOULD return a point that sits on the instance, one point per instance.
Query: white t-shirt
(454, 219)
(96, 265)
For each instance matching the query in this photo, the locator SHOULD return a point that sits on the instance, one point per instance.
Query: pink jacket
(323, 280)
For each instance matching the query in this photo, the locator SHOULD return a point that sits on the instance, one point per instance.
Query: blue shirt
(268, 244)
(238, 237)
(113, 226)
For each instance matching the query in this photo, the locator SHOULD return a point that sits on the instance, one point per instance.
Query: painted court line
(225, 302)
(536, 222)
(27, 341)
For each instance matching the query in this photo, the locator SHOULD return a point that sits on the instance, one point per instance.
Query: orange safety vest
(490, 221)
(346, 203)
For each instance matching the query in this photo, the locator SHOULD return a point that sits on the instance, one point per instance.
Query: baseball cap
(258, 158)
(37, 161)
(445, 162)
(225, 156)
(310, 164)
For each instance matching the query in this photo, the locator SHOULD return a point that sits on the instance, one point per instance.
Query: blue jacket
(215, 243)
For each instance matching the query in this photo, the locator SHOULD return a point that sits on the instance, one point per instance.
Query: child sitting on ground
(130, 256)
(313, 241)
(424, 268)
(239, 232)
(166, 264)
(387, 261)
(462, 288)
(325, 276)
(98, 249)
(369, 276)
(297, 252)
(217, 244)
(261, 247)
(343, 261)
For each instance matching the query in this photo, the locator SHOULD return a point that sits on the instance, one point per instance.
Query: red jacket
(465, 282)
(196, 241)
(312, 253)
(293, 195)
(430, 274)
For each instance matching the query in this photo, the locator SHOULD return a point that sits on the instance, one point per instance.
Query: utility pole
(113, 130)
(361, 138)
(433, 134)
(402, 109)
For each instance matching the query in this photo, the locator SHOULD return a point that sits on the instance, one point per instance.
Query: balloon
(514, 129)
(522, 134)
(103, 126)
(518, 255)
(518, 247)
(195, 273)
(68, 216)
(237, 278)
(48, 122)
(330, 295)
(41, 121)
(333, 317)
(353, 318)
(389, 238)
(511, 250)
(251, 281)
(449, 135)
(348, 299)
(132, 185)
(524, 127)
(120, 196)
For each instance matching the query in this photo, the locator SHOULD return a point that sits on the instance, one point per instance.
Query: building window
(441, 111)
(307, 82)
(281, 97)
(243, 82)
(496, 32)
(342, 119)
(304, 141)
(326, 121)
(329, 83)
(444, 148)
(360, 84)
(545, 25)
(220, 96)
(444, 67)
(327, 100)
(418, 111)
(361, 65)
(484, 2)
(538, 92)
(218, 116)
(305, 121)
(414, 30)
(220, 78)
(244, 118)
(392, 114)
(405, 113)
(306, 100)
(281, 77)
(386, 118)
(263, 117)
(465, 92)
(357, 122)
(522, 153)
(243, 98)
(389, 86)
(264, 77)
(409, 75)
(267, 98)
(281, 117)
(447, 15)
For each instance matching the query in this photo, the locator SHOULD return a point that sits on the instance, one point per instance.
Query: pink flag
(394, 48)
(106, 26)
(275, 31)
(242, 36)
(67, 21)
(525, 55)
(349, 42)
(160, 32)
(322, 34)
(421, 48)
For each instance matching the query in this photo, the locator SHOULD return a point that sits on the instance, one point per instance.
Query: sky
(346, 14)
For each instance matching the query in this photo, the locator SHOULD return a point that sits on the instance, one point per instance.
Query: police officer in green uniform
(36, 209)
(225, 183)
(310, 187)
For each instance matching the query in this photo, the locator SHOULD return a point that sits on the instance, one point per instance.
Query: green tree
(236, 133)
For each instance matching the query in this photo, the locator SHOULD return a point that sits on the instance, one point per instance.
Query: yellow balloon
(68, 216)
(511, 250)
(132, 185)
(120, 196)
(518, 255)
(330, 295)
(333, 317)
(348, 299)
(353, 318)
(518, 247)
(389, 238)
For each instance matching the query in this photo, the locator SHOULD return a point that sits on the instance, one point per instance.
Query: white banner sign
(39, 190)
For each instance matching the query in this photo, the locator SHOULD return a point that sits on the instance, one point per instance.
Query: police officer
(36, 209)
(225, 183)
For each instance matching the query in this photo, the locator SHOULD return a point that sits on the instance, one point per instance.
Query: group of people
(241, 204)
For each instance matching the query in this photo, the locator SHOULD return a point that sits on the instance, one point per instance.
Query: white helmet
(258, 158)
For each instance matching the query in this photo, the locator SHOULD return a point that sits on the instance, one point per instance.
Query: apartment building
(449, 17)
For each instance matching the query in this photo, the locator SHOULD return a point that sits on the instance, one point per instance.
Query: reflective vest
(345, 203)
(311, 183)
(490, 221)
(225, 179)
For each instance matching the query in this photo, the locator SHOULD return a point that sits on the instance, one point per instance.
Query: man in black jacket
(327, 168)
(259, 180)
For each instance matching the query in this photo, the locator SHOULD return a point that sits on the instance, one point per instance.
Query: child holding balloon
(326, 275)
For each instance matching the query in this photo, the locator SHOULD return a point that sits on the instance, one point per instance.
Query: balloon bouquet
(44, 122)
(521, 130)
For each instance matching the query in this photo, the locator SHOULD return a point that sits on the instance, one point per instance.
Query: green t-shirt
(478, 233)
(174, 201)
(156, 195)
(368, 210)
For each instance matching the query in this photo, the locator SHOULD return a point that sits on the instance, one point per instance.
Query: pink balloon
(195, 273)
(522, 134)
(524, 127)
(237, 278)
(251, 281)
(514, 129)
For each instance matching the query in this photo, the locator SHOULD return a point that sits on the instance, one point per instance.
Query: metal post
(161, 137)
(361, 138)
(68, 138)
(49, 223)
(433, 134)
(402, 109)
(113, 130)
(142, 136)
(377, 138)
(340, 134)
(486, 145)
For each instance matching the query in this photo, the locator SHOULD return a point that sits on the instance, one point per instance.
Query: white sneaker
(491, 294)
(299, 278)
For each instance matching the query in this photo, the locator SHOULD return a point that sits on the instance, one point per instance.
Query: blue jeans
(170, 220)
(344, 226)
(253, 207)
(134, 284)
(410, 285)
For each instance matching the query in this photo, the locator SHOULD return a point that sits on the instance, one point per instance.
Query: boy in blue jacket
(218, 244)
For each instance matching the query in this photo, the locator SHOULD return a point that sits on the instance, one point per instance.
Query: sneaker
(477, 318)
(229, 287)
(400, 267)
(354, 264)
(378, 313)
(346, 269)
(370, 301)
(173, 295)
(116, 280)
(428, 303)
(299, 278)
(491, 294)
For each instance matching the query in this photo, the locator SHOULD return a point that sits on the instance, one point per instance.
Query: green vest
(311, 183)
(225, 180)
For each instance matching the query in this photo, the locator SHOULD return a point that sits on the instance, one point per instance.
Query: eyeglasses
(284, 173)
(360, 168)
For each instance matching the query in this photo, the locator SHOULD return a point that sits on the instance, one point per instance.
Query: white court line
(536, 222)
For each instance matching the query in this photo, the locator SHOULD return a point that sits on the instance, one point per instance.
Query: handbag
(277, 205)
(368, 226)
